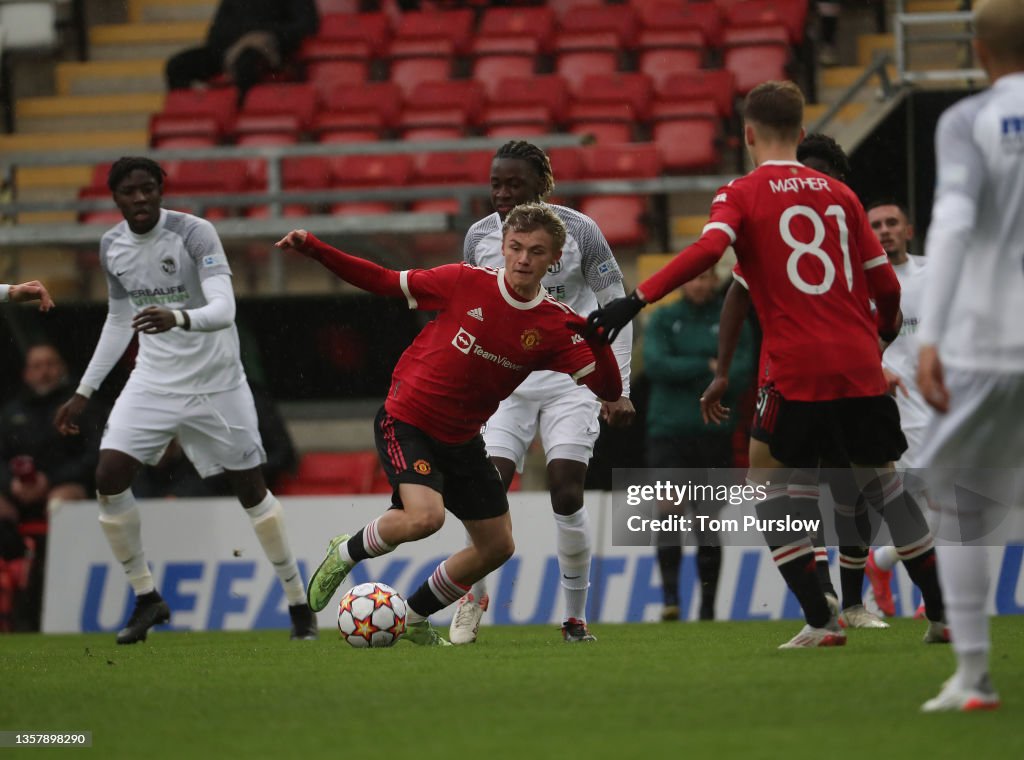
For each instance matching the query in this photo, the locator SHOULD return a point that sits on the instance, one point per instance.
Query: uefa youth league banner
(209, 567)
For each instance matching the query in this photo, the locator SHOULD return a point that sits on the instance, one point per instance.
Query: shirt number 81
(813, 248)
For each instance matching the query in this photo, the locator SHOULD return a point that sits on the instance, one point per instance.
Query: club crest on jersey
(477, 313)
(463, 340)
(421, 466)
(555, 268)
(530, 338)
(168, 266)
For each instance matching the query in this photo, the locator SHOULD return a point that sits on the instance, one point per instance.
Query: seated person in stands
(247, 40)
(38, 465)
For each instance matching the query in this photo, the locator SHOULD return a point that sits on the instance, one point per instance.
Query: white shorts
(982, 432)
(217, 431)
(568, 425)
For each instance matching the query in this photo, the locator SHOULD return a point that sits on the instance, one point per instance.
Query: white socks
(119, 518)
(574, 554)
(963, 571)
(268, 522)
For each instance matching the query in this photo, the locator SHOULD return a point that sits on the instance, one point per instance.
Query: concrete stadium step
(99, 77)
(83, 113)
(869, 44)
(51, 179)
(129, 139)
(932, 6)
(848, 113)
(178, 10)
(109, 42)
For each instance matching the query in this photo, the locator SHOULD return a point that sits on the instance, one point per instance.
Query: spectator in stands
(37, 465)
(828, 53)
(247, 40)
(680, 359)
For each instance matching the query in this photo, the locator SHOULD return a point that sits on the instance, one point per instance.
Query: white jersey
(165, 267)
(975, 294)
(587, 267)
(901, 356)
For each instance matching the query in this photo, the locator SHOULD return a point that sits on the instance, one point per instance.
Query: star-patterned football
(371, 615)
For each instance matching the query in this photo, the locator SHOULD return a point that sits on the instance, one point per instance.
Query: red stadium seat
(325, 75)
(332, 473)
(283, 108)
(564, 7)
(549, 90)
(407, 73)
(756, 55)
(490, 70)
(221, 176)
(584, 28)
(445, 103)
(453, 168)
(355, 36)
(661, 63)
(660, 20)
(359, 108)
(256, 168)
(791, 14)
(620, 217)
(419, 32)
(604, 123)
(501, 120)
(576, 67)
(195, 113)
(621, 162)
(370, 171)
(108, 217)
(499, 24)
(184, 143)
(566, 163)
(456, 168)
(718, 85)
(688, 137)
(631, 89)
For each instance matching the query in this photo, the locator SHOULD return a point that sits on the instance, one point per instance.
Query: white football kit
(975, 295)
(901, 357)
(188, 384)
(565, 413)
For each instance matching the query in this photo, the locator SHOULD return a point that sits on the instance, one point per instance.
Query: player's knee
(498, 552)
(567, 498)
(426, 522)
(112, 478)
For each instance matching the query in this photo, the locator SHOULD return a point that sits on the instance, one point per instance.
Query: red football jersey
(483, 343)
(803, 242)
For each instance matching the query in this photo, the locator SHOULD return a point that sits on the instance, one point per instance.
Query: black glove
(606, 323)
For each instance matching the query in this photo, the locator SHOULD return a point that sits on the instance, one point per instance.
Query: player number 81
(813, 248)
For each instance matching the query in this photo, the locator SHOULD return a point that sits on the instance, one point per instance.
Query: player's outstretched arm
(735, 309)
(605, 381)
(31, 291)
(352, 269)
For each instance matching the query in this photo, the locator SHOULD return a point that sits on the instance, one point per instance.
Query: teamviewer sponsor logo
(463, 340)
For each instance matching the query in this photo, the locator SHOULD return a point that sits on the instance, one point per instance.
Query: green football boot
(424, 634)
(326, 579)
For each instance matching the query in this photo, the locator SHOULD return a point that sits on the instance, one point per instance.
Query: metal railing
(887, 89)
(903, 22)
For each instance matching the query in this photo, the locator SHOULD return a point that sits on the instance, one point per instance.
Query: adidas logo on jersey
(477, 313)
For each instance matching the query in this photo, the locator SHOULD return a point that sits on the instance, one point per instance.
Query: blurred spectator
(38, 465)
(680, 350)
(247, 40)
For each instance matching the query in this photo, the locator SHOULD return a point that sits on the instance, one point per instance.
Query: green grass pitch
(686, 690)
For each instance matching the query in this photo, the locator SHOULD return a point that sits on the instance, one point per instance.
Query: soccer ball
(371, 615)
